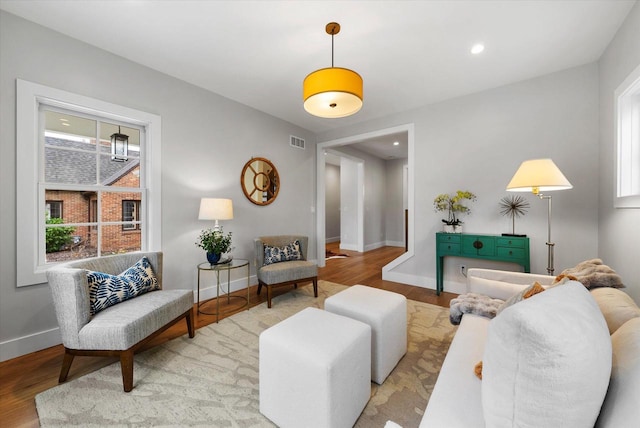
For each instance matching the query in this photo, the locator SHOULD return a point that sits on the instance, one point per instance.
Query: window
(64, 156)
(131, 212)
(54, 209)
(628, 142)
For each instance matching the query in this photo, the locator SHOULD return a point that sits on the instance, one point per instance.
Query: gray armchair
(284, 273)
(119, 330)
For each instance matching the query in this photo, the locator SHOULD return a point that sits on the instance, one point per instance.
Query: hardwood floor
(22, 378)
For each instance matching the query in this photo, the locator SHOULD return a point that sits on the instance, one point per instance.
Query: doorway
(358, 141)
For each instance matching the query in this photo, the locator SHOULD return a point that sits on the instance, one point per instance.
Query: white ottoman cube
(315, 370)
(386, 313)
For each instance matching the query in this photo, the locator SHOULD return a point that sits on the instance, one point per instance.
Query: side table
(233, 264)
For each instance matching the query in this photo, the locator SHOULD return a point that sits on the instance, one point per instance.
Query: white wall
(349, 209)
(206, 141)
(619, 229)
(374, 197)
(332, 203)
(478, 141)
(394, 203)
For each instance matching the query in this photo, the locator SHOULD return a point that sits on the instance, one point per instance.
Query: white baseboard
(210, 292)
(394, 243)
(374, 246)
(45, 339)
(31, 343)
(424, 282)
(330, 240)
(349, 247)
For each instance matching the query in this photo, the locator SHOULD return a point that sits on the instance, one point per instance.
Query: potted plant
(215, 243)
(453, 204)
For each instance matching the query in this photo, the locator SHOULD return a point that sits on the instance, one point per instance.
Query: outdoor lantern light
(332, 92)
(119, 146)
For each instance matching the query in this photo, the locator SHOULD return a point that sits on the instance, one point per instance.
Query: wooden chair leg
(190, 324)
(126, 365)
(259, 287)
(315, 287)
(268, 296)
(66, 365)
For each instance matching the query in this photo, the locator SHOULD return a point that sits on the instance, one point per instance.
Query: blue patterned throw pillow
(282, 254)
(107, 290)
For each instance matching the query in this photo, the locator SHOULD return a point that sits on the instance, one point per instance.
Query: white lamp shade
(215, 209)
(538, 175)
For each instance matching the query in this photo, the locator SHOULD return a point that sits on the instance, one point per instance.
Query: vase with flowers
(215, 242)
(454, 205)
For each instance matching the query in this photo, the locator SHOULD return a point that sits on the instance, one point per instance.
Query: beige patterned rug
(212, 379)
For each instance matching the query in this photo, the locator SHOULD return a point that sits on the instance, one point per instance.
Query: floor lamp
(536, 176)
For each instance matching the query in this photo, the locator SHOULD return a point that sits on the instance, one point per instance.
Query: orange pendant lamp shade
(332, 92)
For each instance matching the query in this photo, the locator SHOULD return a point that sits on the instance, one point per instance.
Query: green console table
(513, 249)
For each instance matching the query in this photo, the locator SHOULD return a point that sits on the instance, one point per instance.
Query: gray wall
(478, 141)
(206, 141)
(474, 142)
(619, 228)
(332, 202)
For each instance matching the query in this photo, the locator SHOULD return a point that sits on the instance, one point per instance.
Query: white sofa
(565, 357)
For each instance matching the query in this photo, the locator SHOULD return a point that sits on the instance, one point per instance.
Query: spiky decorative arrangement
(515, 206)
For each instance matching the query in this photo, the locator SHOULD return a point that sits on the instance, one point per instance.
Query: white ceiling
(409, 53)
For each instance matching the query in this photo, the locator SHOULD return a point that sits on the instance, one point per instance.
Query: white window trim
(628, 84)
(29, 97)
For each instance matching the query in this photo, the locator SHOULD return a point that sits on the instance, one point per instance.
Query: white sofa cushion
(500, 284)
(547, 361)
(622, 404)
(455, 401)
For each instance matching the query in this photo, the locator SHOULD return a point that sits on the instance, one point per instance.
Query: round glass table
(218, 268)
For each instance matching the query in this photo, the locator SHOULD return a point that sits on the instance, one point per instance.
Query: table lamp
(215, 209)
(536, 176)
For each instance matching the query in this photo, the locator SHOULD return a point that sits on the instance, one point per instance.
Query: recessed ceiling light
(477, 48)
(66, 124)
(395, 143)
(63, 120)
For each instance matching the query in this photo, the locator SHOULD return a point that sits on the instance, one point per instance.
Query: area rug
(212, 379)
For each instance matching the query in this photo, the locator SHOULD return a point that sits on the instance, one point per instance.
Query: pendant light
(332, 92)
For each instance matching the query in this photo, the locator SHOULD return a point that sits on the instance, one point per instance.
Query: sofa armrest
(500, 284)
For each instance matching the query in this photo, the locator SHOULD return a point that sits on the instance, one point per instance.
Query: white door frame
(320, 189)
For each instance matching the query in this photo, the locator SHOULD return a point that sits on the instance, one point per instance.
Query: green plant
(453, 204)
(214, 241)
(57, 237)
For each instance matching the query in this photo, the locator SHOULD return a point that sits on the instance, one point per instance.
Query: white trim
(29, 97)
(17, 347)
(207, 293)
(387, 273)
(623, 102)
(320, 189)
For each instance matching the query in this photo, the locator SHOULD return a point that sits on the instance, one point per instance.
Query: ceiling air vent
(296, 142)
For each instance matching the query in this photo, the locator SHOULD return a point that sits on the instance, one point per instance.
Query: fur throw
(472, 303)
(593, 273)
